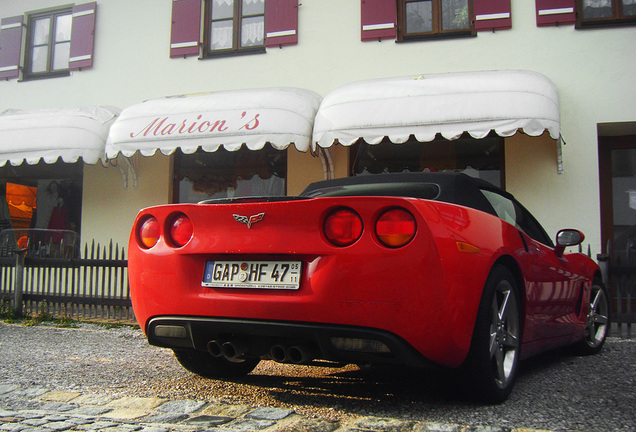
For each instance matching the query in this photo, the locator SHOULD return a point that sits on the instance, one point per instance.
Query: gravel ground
(556, 391)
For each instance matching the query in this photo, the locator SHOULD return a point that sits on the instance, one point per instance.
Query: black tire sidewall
(481, 375)
(207, 366)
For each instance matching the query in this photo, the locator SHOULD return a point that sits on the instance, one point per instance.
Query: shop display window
(227, 174)
(480, 158)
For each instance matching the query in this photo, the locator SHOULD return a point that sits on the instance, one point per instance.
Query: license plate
(252, 274)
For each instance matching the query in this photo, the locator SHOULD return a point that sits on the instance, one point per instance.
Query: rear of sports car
(348, 279)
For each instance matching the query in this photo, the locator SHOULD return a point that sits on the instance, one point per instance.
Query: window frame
(53, 15)
(437, 32)
(616, 20)
(237, 18)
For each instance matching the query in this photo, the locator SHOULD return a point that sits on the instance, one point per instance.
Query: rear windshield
(401, 189)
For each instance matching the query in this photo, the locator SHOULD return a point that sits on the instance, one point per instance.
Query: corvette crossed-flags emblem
(249, 221)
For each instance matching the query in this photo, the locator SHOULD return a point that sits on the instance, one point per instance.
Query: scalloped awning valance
(448, 104)
(254, 117)
(50, 134)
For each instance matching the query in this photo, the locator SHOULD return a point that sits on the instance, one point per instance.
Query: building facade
(126, 72)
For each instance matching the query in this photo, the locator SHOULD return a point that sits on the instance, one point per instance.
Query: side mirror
(567, 237)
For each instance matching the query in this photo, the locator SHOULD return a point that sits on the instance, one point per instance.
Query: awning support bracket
(128, 169)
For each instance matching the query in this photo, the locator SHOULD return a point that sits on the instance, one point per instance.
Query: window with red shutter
(281, 22)
(57, 41)
(10, 46)
(82, 36)
(185, 28)
(492, 14)
(555, 12)
(378, 19)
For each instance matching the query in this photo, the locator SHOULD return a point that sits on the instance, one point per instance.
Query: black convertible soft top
(454, 188)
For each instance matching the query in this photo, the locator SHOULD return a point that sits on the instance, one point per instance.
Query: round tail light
(149, 232)
(395, 228)
(181, 230)
(343, 227)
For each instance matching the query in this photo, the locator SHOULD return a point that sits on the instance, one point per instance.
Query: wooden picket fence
(91, 284)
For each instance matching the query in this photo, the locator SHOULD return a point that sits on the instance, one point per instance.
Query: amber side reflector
(467, 247)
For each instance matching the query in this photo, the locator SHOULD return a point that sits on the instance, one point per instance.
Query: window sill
(66, 73)
(437, 36)
(605, 23)
(233, 53)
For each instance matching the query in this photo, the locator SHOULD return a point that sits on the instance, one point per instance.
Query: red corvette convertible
(416, 269)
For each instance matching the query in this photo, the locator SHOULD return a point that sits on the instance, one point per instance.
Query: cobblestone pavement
(91, 378)
(37, 409)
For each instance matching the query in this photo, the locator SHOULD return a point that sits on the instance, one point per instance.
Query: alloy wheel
(504, 333)
(597, 317)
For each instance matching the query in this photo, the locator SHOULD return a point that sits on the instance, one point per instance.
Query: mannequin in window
(58, 219)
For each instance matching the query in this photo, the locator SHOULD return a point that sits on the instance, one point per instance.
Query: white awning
(279, 116)
(447, 104)
(49, 134)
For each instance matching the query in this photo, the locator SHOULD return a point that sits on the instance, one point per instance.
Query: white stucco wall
(593, 70)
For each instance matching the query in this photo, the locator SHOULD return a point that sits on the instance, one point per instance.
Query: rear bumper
(257, 339)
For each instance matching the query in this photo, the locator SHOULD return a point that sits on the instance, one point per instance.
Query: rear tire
(207, 366)
(496, 344)
(598, 321)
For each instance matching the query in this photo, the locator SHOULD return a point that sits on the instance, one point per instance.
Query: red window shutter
(10, 46)
(186, 23)
(555, 12)
(378, 19)
(82, 36)
(492, 14)
(281, 22)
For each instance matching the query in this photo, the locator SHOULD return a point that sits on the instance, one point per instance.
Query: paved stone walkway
(37, 409)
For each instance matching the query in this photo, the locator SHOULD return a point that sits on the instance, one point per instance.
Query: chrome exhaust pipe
(300, 354)
(234, 349)
(278, 353)
(214, 348)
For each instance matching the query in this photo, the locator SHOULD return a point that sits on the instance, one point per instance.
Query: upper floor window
(48, 43)
(592, 13)
(57, 42)
(234, 26)
(429, 19)
(419, 19)
(231, 26)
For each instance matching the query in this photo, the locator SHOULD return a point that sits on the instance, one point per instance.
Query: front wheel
(598, 319)
(204, 364)
(495, 348)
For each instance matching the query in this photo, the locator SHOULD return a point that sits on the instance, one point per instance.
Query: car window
(504, 207)
(515, 214)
